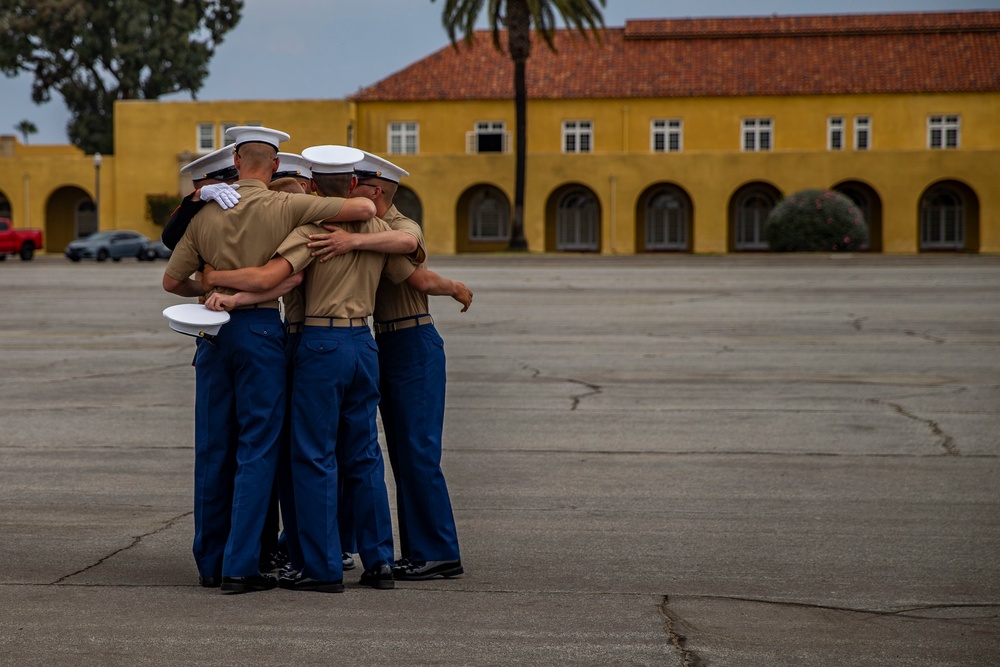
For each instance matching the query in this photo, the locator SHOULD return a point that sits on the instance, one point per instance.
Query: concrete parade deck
(656, 460)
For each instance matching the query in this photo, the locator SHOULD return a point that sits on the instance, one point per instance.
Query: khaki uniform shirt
(295, 305)
(247, 234)
(345, 285)
(396, 300)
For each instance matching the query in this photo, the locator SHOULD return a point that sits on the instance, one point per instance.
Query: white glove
(223, 194)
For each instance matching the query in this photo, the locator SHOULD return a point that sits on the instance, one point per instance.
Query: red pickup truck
(23, 242)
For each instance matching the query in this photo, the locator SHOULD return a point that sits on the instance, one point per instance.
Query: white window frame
(407, 132)
(476, 234)
(578, 227)
(578, 131)
(939, 126)
(934, 223)
(758, 128)
(487, 127)
(666, 129)
(863, 127)
(835, 126)
(661, 222)
(222, 132)
(752, 228)
(204, 137)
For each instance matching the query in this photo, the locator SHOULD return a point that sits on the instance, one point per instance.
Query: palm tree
(518, 16)
(26, 127)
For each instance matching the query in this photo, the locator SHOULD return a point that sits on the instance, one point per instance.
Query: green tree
(26, 128)
(93, 52)
(518, 16)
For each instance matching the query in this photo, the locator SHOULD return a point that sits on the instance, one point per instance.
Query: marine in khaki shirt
(412, 379)
(394, 301)
(236, 450)
(248, 234)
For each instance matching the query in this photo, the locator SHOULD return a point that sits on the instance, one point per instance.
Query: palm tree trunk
(517, 240)
(518, 22)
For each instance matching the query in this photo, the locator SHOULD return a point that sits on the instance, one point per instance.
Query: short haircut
(286, 184)
(333, 185)
(257, 155)
(388, 188)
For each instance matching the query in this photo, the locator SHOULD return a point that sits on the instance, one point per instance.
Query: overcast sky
(321, 49)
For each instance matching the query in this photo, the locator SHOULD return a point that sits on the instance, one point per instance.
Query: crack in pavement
(905, 612)
(592, 389)
(546, 451)
(947, 442)
(136, 539)
(689, 658)
(926, 336)
(679, 641)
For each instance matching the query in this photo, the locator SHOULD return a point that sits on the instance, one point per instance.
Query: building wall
(44, 184)
(153, 140)
(899, 166)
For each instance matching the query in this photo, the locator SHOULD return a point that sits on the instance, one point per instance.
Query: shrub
(159, 207)
(816, 221)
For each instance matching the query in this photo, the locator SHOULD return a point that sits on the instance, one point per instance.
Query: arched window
(667, 221)
(489, 215)
(942, 220)
(5, 211)
(407, 203)
(576, 221)
(752, 209)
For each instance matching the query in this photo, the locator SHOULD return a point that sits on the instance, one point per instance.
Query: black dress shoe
(379, 576)
(273, 561)
(428, 570)
(209, 582)
(296, 581)
(256, 582)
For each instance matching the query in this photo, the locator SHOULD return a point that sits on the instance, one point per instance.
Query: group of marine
(302, 251)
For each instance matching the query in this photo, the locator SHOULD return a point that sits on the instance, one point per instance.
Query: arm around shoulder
(355, 209)
(428, 282)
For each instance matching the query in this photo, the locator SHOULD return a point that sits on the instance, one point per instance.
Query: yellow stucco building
(667, 136)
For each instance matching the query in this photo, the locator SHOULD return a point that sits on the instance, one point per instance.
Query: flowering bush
(816, 221)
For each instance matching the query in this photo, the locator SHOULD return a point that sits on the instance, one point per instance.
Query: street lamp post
(97, 191)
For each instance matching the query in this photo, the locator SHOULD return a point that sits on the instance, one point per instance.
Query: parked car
(155, 250)
(112, 244)
(23, 242)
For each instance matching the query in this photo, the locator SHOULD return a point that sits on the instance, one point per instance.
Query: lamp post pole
(97, 190)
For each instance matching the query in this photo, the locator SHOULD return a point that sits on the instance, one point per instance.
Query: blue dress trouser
(286, 495)
(239, 409)
(334, 406)
(412, 385)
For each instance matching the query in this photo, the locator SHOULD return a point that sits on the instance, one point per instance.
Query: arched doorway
(748, 211)
(483, 220)
(949, 218)
(69, 214)
(664, 220)
(5, 209)
(407, 203)
(866, 198)
(573, 220)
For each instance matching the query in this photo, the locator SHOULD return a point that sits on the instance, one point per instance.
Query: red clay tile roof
(780, 55)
